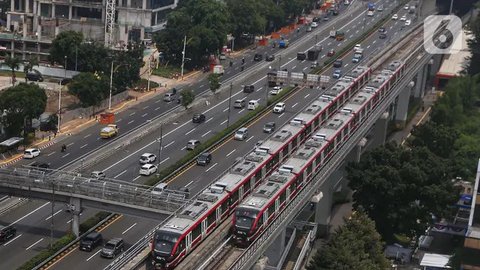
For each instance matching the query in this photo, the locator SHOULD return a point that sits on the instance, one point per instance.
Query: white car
(403, 18)
(314, 25)
(357, 47)
(406, 7)
(408, 22)
(395, 17)
(148, 169)
(276, 90)
(147, 158)
(279, 107)
(31, 153)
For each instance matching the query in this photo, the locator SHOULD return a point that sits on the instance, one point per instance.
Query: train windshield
(245, 218)
(165, 241)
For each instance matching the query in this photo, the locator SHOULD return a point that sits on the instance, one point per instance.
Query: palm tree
(28, 66)
(13, 63)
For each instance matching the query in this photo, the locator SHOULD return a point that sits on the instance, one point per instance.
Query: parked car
(91, 241)
(276, 90)
(30, 153)
(269, 127)
(34, 75)
(148, 169)
(406, 7)
(239, 104)
(204, 159)
(270, 58)
(241, 134)
(279, 107)
(309, 29)
(192, 144)
(147, 158)
(112, 248)
(222, 56)
(198, 118)
(257, 57)
(337, 63)
(7, 232)
(314, 24)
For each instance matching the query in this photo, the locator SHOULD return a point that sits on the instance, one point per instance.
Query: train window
(283, 196)
(224, 207)
(329, 148)
(260, 220)
(258, 176)
(211, 219)
(271, 210)
(318, 160)
(309, 169)
(299, 179)
(235, 196)
(246, 187)
(285, 151)
(196, 232)
(181, 246)
(294, 143)
(316, 122)
(309, 129)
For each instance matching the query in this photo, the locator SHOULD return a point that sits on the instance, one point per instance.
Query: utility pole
(451, 7)
(279, 62)
(111, 85)
(149, 72)
(229, 105)
(59, 118)
(266, 94)
(160, 140)
(183, 54)
(53, 210)
(76, 57)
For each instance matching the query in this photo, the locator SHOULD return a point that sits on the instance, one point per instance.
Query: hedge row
(188, 158)
(62, 242)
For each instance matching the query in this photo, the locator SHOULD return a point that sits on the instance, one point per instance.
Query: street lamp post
(160, 140)
(183, 54)
(149, 73)
(229, 105)
(53, 210)
(111, 83)
(279, 62)
(266, 94)
(76, 57)
(59, 118)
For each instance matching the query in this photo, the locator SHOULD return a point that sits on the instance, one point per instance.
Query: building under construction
(33, 24)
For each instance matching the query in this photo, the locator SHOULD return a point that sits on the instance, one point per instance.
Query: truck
(109, 131)
(357, 56)
(371, 6)
(283, 43)
(313, 53)
(218, 69)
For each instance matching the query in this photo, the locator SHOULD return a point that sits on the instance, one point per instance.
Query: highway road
(196, 178)
(175, 137)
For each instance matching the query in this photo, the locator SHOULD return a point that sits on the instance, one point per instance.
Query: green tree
(21, 103)
(13, 63)
(474, 45)
(127, 64)
(354, 245)
(87, 56)
(65, 44)
(247, 17)
(28, 66)
(187, 97)
(214, 82)
(89, 88)
(436, 137)
(401, 188)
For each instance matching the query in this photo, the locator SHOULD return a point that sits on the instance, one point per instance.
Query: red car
(331, 53)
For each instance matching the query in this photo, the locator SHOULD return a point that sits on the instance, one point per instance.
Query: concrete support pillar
(12, 53)
(144, 4)
(323, 211)
(104, 15)
(9, 21)
(129, 3)
(420, 82)
(20, 5)
(53, 11)
(354, 155)
(75, 207)
(402, 107)
(379, 131)
(70, 12)
(275, 251)
(142, 33)
(24, 26)
(27, 6)
(12, 5)
(39, 32)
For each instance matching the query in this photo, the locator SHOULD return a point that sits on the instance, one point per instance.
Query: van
(159, 188)
(241, 134)
(192, 144)
(248, 88)
(239, 104)
(35, 76)
(253, 104)
(112, 248)
(91, 241)
(168, 97)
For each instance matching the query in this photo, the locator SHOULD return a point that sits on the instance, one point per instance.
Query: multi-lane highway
(125, 164)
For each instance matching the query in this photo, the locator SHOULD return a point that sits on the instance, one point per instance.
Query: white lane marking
(346, 65)
(129, 122)
(350, 36)
(136, 178)
(339, 44)
(306, 96)
(165, 160)
(260, 88)
(29, 247)
(145, 114)
(293, 106)
(86, 136)
(146, 107)
(226, 109)
(183, 148)
(170, 143)
(7, 243)
(294, 67)
(209, 119)
(119, 120)
(305, 68)
(241, 110)
(129, 228)
(347, 31)
(329, 43)
(66, 155)
(250, 138)
(231, 152)
(282, 114)
(206, 133)
(192, 130)
(223, 122)
(94, 254)
(83, 146)
(40, 207)
(158, 108)
(374, 41)
(158, 101)
(323, 56)
(133, 113)
(368, 46)
(49, 217)
(211, 167)
(120, 174)
(70, 144)
(51, 153)
(189, 183)
(259, 79)
(356, 32)
(202, 85)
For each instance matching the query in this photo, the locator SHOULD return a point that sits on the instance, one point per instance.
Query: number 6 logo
(442, 34)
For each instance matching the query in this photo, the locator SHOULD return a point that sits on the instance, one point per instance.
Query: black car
(198, 118)
(91, 241)
(337, 63)
(381, 30)
(248, 88)
(40, 165)
(382, 36)
(257, 57)
(269, 127)
(7, 232)
(204, 159)
(316, 19)
(112, 248)
(35, 76)
(301, 56)
(65, 81)
(270, 58)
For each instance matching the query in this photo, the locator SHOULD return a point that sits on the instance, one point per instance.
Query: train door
(240, 193)
(218, 212)
(204, 228)
(277, 205)
(188, 239)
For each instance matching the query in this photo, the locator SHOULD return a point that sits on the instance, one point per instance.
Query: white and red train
(259, 209)
(179, 235)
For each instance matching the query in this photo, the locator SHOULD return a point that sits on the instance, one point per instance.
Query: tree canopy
(409, 186)
(89, 88)
(65, 44)
(187, 97)
(21, 102)
(354, 245)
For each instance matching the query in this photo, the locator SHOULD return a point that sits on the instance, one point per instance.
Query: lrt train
(258, 210)
(179, 235)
